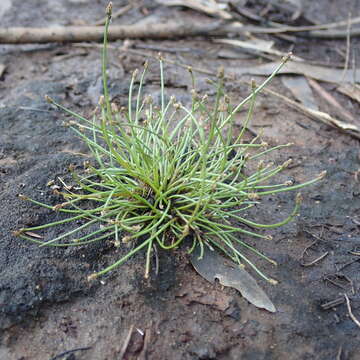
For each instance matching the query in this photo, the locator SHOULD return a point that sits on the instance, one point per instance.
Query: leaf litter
(212, 266)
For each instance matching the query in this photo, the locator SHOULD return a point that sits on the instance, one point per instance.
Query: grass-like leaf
(168, 173)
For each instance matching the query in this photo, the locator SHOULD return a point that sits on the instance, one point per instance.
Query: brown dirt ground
(47, 307)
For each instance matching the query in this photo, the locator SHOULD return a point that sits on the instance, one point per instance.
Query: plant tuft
(168, 174)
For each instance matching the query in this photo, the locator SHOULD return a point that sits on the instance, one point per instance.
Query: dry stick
(126, 343)
(332, 303)
(316, 260)
(333, 25)
(346, 65)
(147, 338)
(338, 355)
(21, 35)
(61, 356)
(333, 34)
(352, 316)
(354, 70)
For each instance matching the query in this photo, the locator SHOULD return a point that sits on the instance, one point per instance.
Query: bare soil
(48, 308)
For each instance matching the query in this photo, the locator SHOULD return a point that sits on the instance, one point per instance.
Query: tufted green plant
(168, 174)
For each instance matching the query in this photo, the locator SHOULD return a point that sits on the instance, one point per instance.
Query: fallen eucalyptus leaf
(212, 267)
(300, 88)
(317, 72)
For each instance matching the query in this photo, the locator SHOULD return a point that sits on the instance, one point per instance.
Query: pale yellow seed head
(253, 196)
(126, 239)
(287, 163)
(92, 277)
(101, 100)
(114, 108)
(322, 175)
(49, 99)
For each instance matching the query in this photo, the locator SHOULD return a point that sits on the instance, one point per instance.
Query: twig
(27, 108)
(330, 280)
(126, 343)
(307, 248)
(316, 260)
(354, 70)
(25, 35)
(353, 318)
(346, 65)
(60, 356)
(333, 34)
(338, 355)
(168, 49)
(332, 303)
(147, 339)
(348, 263)
(314, 31)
